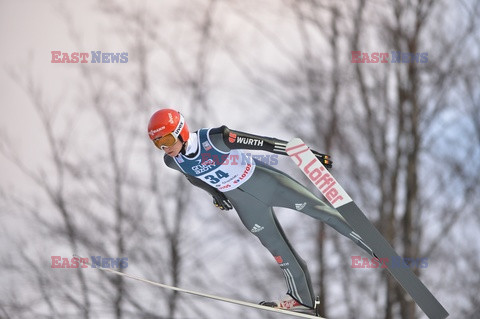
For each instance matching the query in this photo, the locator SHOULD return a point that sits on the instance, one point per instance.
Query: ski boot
(289, 304)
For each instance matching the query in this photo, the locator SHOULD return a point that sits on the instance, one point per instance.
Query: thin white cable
(191, 292)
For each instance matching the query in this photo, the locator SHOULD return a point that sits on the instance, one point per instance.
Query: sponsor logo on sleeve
(249, 141)
(232, 137)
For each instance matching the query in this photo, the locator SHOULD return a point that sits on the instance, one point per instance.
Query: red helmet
(168, 121)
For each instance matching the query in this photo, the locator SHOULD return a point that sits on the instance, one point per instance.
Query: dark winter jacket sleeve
(232, 139)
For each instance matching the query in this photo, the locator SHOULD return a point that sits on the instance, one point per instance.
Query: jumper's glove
(325, 159)
(221, 201)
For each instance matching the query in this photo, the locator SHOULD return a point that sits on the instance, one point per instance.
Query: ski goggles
(165, 141)
(170, 139)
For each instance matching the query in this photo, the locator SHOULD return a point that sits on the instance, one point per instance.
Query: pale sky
(30, 30)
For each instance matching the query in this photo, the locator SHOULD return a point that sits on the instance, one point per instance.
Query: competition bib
(222, 170)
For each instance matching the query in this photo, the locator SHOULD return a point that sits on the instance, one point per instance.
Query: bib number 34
(215, 178)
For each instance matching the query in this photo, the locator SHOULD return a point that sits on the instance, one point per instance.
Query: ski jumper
(213, 161)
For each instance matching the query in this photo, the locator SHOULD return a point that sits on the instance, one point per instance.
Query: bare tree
(390, 114)
(53, 184)
(397, 134)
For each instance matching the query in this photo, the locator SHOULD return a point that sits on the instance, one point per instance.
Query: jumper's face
(173, 150)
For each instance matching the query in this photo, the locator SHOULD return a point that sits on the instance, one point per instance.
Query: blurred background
(80, 175)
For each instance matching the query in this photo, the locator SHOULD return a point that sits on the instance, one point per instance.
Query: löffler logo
(319, 175)
(84, 57)
(385, 57)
